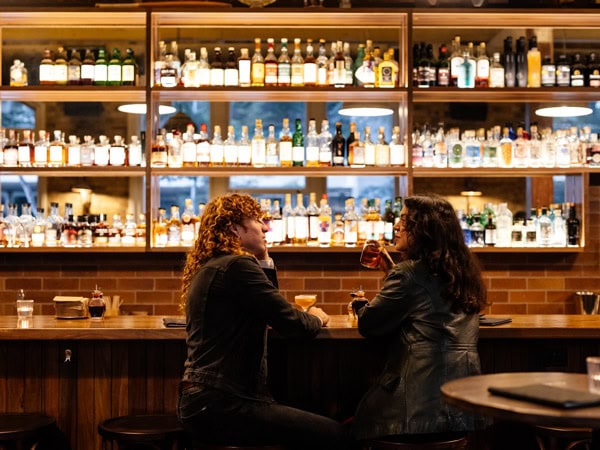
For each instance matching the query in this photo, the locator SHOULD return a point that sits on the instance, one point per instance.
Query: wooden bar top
(340, 327)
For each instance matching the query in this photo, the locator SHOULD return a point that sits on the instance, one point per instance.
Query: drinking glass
(24, 309)
(372, 253)
(588, 301)
(305, 301)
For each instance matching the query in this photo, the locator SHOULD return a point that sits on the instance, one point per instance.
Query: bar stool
(151, 432)
(559, 438)
(22, 431)
(430, 442)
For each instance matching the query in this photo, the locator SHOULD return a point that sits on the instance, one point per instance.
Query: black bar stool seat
(161, 432)
(23, 430)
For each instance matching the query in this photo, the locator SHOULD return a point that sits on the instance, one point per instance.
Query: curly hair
(436, 237)
(215, 237)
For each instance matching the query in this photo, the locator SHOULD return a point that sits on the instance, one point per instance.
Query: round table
(471, 394)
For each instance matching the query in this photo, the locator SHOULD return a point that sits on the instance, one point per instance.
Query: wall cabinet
(26, 34)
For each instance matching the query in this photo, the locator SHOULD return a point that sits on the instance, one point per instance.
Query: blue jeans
(218, 417)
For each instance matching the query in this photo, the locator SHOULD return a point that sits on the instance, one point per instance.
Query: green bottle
(101, 69)
(298, 145)
(114, 69)
(129, 69)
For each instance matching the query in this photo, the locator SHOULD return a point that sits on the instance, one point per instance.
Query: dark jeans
(218, 417)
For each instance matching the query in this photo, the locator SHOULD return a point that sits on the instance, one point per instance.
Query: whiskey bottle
(230, 148)
(298, 154)
(245, 68)
(258, 65)
(324, 223)
(548, 75)
(339, 67)
(349, 65)
(369, 148)
(325, 137)
(578, 72)
(310, 65)
(338, 146)
(188, 223)
(38, 233)
(10, 150)
(456, 61)
(312, 145)
(174, 227)
(26, 150)
(277, 233)
(297, 65)
(573, 227)
(217, 69)
(203, 76)
(18, 74)
(285, 144)
(337, 230)
(271, 64)
(350, 219)
(102, 152)
(563, 71)
(443, 67)
(322, 62)
(87, 68)
(387, 73)
(115, 76)
(351, 143)
(158, 156)
(87, 149)
(74, 68)
(496, 72)
(300, 222)
(217, 157)
(482, 64)
(159, 229)
(61, 67)
(284, 69)
(397, 156)
(129, 69)
(117, 152)
(101, 69)
(203, 147)
(46, 69)
(287, 213)
(40, 151)
(140, 230)
(244, 148)
(188, 148)
(73, 152)
(312, 211)
(129, 229)
(593, 70)
(57, 151)
(382, 149)
(272, 158)
(259, 147)
(232, 75)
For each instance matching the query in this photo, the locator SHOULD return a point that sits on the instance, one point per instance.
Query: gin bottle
(259, 146)
(272, 154)
(325, 138)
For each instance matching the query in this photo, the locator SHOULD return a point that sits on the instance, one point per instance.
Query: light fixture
(365, 110)
(468, 195)
(564, 111)
(140, 108)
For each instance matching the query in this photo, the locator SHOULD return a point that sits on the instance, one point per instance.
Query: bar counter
(340, 327)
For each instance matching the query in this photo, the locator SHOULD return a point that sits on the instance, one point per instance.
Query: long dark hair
(436, 238)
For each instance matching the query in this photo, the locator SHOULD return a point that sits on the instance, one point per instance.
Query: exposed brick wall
(518, 283)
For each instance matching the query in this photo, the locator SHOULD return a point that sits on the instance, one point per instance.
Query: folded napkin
(174, 322)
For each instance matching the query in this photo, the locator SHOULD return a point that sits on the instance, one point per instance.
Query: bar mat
(174, 322)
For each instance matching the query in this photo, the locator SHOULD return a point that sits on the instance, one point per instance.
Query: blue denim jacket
(230, 304)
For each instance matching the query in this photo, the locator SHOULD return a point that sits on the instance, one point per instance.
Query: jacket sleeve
(260, 296)
(391, 306)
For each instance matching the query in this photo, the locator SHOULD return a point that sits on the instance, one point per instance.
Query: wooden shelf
(283, 171)
(109, 171)
(491, 172)
(121, 94)
(505, 95)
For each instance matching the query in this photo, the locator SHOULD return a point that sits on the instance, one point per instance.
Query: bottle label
(114, 73)
(117, 156)
(24, 154)
(284, 74)
(46, 72)
(100, 73)
(128, 73)
(55, 154)
(244, 72)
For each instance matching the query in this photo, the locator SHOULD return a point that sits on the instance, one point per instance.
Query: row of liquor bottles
(470, 66)
(503, 147)
(297, 149)
(22, 150)
(369, 67)
(69, 68)
(554, 226)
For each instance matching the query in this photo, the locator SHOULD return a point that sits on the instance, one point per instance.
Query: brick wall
(518, 283)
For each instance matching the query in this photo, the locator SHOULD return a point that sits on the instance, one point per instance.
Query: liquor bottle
(117, 152)
(88, 68)
(312, 211)
(18, 74)
(440, 158)
(354, 159)
(129, 69)
(244, 65)
(443, 67)
(509, 62)
(573, 227)
(387, 73)
(356, 67)
(287, 213)
(563, 158)
(38, 232)
(367, 72)
(272, 158)
(325, 137)
(40, 151)
(168, 72)
(496, 72)
(277, 230)
(559, 229)
(337, 232)
(427, 147)
(259, 150)
(203, 68)
(482, 75)
(158, 157)
(101, 69)
(140, 230)
(521, 150)
(135, 154)
(74, 68)
(57, 150)
(535, 146)
(217, 69)
(424, 65)
(389, 219)
(285, 144)
(339, 67)
(369, 148)
(322, 63)
(232, 75)
(548, 150)
(267, 219)
(61, 67)
(578, 72)
(338, 146)
(382, 149)
(563, 71)
(489, 232)
(324, 223)
(174, 143)
(472, 149)
(258, 65)
(506, 149)
(310, 65)
(593, 70)
(284, 68)
(521, 63)
(456, 61)
(203, 147)
(244, 148)
(544, 226)
(230, 148)
(188, 223)
(297, 65)
(477, 232)
(300, 222)
(455, 148)
(11, 150)
(397, 156)
(46, 69)
(159, 229)
(217, 157)
(467, 70)
(298, 153)
(115, 75)
(312, 145)
(271, 64)
(350, 219)
(188, 148)
(491, 148)
(26, 149)
(174, 227)
(534, 64)
(548, 72)
(73, 152)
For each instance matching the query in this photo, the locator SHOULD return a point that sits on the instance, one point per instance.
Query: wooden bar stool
(21, 431)
(151, 432)
(431, 442)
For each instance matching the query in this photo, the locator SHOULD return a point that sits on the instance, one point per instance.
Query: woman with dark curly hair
(230, 297)
(427, 315)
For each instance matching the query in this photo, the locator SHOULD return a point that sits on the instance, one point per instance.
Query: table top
(549, 326)
(471, 394)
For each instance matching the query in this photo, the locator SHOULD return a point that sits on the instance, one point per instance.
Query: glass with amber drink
(305, 301)
(372, 254)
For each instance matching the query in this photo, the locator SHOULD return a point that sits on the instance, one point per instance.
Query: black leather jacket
(229, 306)
(427, 346)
